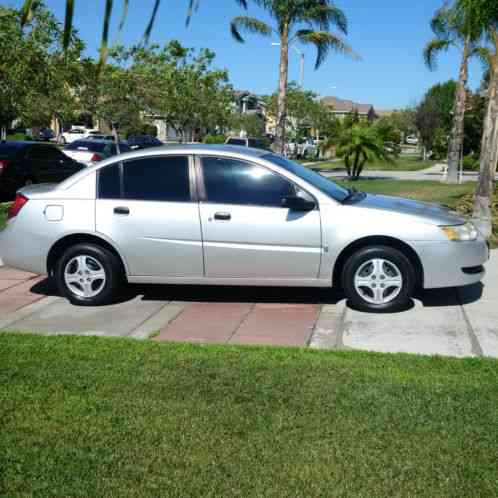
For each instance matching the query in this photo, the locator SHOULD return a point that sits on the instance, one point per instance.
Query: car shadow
(209, 293)
(451, 296)
(289, 295)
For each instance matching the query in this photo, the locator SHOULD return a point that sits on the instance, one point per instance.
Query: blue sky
(389, 37)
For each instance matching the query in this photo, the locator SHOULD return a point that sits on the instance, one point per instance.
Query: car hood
(426, 212)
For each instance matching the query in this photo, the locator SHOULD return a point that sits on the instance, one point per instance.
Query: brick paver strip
(278, 324)
(206, 323)
(20, 295)
(7, 273)
(6, 284)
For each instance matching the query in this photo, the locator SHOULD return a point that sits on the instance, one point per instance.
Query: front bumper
(447, 264)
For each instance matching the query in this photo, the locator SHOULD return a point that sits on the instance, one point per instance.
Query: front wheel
(379, 279)
(88, 275)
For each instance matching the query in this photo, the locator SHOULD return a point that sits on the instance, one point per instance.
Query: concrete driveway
(449, 322)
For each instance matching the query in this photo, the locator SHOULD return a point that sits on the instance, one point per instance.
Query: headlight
(461, 233)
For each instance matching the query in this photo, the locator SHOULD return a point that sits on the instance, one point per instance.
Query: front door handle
(122, 210)
(222, 216)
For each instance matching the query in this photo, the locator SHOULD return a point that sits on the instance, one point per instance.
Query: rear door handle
(122, 210)
(222, 216)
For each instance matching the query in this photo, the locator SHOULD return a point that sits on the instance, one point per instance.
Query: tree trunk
(116, 138)
(282, 90)
(348, 166)
(489, 153)
(356, 166)
(456, 142)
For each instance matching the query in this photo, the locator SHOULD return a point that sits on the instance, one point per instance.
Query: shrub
(471, 163)
(214, 139)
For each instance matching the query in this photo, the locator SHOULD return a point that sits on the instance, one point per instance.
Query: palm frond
(68, 23)
(431, 51)
(485, 55)
(324, 43)
(441, 22)
(326, 16)
(152, 20)
(105, 32)
(249, 24)
(123, 15)
(193, 5)
(26, 11)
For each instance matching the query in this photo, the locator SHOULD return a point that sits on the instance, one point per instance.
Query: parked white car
(412, 140)
(77, 133)
(303, 149)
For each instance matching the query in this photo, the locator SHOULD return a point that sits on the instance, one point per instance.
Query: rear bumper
(452, 264)
(15, 251)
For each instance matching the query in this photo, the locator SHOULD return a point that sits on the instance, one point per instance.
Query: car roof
(224, 149)
(22, 143)
(96, 141)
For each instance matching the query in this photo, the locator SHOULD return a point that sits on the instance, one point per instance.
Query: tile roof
(346, 105)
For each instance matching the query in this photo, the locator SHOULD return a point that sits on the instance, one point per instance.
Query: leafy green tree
(434, 112)
(251, 124)
(183, 87)
(304, 21)
(36, 76)
(455, 25)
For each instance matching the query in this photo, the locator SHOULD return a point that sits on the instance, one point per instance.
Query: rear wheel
(379, 278)
(89, 275)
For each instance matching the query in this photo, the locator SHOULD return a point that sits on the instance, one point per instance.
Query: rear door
(246, 231)
(149, 209)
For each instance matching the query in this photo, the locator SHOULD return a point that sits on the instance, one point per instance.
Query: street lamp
(301, 57)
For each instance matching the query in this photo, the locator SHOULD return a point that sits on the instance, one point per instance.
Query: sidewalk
(445, 322)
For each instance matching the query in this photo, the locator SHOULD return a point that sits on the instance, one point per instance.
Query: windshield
(323, 184)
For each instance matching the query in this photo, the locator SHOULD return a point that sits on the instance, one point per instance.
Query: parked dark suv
(25, 163)
(143, 142)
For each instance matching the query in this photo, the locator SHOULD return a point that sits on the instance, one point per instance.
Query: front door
(246, 231)
(145, 207)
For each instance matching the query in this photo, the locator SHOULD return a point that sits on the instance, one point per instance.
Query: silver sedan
(234, 216)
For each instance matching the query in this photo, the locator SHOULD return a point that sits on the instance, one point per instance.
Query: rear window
(9, 151)
(87, 146)
(237, 141)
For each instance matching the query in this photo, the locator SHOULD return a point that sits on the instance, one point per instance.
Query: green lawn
(3, 214)
(92, 417)
(422, 190)
(402, 163)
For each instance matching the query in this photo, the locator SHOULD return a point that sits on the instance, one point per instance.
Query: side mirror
(296, 203)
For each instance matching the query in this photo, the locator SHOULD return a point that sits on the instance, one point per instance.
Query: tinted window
(44, 154)
(318, 181)
(157, 179)
(9, 151)
(229, 181)
(237, 141)
(109, 181)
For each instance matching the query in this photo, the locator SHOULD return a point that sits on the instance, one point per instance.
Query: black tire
(395, 260)
(94, 254)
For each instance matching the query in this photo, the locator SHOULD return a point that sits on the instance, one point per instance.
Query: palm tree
(305, 21)
(489, 145)
(454, 26)
(359, 143)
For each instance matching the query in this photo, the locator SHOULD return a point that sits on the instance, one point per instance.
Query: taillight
(19, 202)
(3, 164)
(96, 158)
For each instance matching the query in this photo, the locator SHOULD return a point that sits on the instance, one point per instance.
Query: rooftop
(346, 105)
